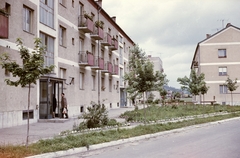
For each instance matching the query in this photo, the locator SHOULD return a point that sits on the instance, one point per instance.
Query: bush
(96, 116)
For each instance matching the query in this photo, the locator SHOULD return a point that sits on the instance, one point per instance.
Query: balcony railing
(97, 33)
(86, 58)
(108, 68)
(107, 40)
(98, 63)
(114, 45)
(3, 25)
(85, 24)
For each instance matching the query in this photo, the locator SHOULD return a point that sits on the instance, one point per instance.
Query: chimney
(114, 18)
(99, 2)
(228, 24)
(208, 35)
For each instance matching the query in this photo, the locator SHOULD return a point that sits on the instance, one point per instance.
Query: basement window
(25, 114)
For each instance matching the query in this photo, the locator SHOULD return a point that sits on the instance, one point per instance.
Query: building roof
(105, 14)
(211, 36)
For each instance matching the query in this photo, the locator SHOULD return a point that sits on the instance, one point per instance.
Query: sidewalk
(47, 128)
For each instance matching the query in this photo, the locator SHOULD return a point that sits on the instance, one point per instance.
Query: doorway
(50, 93)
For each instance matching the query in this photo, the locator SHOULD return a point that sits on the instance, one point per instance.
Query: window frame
(62, 36)
(223, 89)
(222, 53)
(27, 16)
(221, 71)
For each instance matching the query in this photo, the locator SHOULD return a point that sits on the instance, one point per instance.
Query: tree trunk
(28, 115)
(231, 98)
(144, 109)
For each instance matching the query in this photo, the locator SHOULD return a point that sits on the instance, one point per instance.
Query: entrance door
(123, 97)
(49, 90)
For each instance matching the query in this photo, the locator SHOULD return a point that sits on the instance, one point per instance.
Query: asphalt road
(218, 140)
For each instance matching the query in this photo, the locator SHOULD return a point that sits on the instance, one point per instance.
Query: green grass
(152, 113)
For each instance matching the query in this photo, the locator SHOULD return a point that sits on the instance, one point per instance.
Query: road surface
(218, 140)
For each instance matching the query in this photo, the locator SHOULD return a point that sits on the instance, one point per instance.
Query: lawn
(144, 116)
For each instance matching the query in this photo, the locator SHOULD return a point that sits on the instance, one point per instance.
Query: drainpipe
(99, 71)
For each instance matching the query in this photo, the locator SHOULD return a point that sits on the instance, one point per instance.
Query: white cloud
(171, 29)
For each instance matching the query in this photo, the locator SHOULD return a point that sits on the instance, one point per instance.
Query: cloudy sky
(171, 29)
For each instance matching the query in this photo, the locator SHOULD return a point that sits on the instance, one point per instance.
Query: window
(121, 55)
(8, 8)
(7, 73)
(62, 36)
(222, 53)
(73, 3)
(120, 39)
(93, 82)
(72, 41)
(222, 71)
(223, 89)
(62, 73)
(121, 77)
(93, 49)
(47, 12)
(81, 77)
(27, 19)
(48, 42)
(110, 85)
(103, 84)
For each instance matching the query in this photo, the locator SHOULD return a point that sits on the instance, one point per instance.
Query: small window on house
(222, 53)
(81, 80)
(223, 89)
(110, 85)
(62, 36)
(62, 73)
(8, 8)
(25, 114)
(120, 39)
(73, 3)
(103, 84)
(222, 71)
(72, 41)
(93, 82)
(27, 19)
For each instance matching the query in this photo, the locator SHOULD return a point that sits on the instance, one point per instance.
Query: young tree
(203, 89)
(194, 83)
(231, 85)
(29, 72)
(141, 77)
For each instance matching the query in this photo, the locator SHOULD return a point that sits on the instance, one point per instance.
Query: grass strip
(87, 139)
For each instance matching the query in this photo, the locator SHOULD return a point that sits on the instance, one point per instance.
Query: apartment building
(157, 66)
(218, 57)
(88, 48)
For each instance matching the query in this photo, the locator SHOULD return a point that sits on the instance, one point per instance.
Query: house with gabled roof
(218, 57)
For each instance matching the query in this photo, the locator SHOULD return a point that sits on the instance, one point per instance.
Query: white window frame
(223, 89)
(222, 71)
(27, 19)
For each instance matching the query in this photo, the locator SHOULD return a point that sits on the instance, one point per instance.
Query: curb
(122, 141)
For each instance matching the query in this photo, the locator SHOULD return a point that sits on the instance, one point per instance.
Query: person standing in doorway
(64, 106)
(54, 106)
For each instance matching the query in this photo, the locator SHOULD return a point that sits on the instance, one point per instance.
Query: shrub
(96, 116)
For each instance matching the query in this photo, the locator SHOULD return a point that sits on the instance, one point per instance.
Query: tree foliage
(27, 73)
(232, 86)
(195, 84)
(141, 77)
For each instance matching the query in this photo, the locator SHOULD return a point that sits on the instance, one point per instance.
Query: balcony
(107, 40)
(97, 33)
(85, 24)
(98, 63)
(108, 68)
(86, 58)
(3, 25)
(114, 45)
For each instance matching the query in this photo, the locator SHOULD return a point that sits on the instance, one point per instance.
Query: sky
(171, 29)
